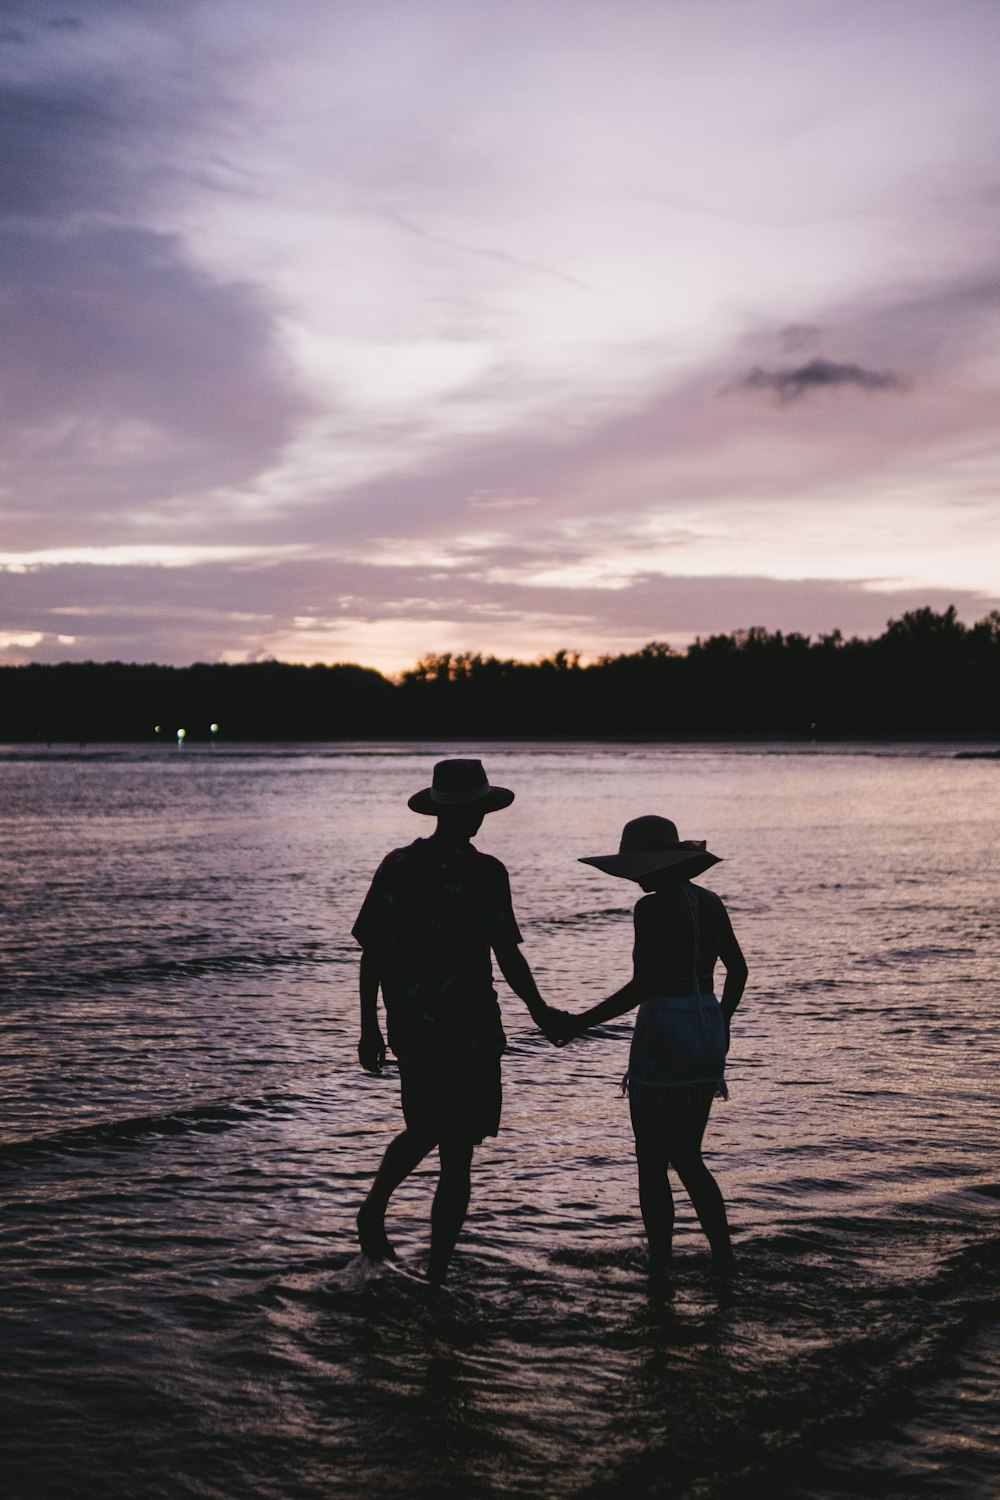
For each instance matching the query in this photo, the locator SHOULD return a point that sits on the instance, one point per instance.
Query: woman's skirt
(678, 1050)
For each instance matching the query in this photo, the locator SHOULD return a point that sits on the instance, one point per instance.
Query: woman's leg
(685, 1128)
(656, 1202)
(451, 1203)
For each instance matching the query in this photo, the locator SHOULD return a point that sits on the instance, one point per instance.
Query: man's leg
(451, 1202)
(402, 1155)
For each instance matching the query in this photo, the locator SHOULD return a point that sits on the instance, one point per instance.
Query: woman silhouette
(678, 1054)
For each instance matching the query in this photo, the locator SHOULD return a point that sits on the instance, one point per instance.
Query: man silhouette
(435, 910)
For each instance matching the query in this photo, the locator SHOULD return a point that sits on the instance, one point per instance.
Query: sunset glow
(359, 332)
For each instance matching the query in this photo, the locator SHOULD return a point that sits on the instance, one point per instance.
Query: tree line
(926, 675)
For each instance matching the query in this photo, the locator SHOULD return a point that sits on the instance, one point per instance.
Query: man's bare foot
(372, 1238)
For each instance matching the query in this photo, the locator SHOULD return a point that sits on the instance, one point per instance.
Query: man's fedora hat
(650, 845)
(460, 783)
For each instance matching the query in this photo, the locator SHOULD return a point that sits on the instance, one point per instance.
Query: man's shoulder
(425, 854)
(487, 866)
(401, 855)
(488, 872)
(396, 863)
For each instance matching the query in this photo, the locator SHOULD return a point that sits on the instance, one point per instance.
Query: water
(186, 1137)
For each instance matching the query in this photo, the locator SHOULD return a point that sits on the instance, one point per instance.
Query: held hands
(560, 1026)
(371, 1051)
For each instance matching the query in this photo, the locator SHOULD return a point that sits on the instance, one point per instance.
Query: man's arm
(371, 1047)
(514, 968)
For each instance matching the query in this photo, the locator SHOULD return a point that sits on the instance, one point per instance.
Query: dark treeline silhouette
(259, 701)
(928, 675)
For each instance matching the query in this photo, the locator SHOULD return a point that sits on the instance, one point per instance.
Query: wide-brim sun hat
(650, 845)
(460, 783)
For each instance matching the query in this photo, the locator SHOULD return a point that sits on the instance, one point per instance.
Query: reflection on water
(186, 1137)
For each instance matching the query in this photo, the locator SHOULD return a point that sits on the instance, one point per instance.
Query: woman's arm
(731, 955)
(625, 999)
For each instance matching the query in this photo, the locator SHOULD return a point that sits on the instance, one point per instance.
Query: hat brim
(492, 800)
(680, 862)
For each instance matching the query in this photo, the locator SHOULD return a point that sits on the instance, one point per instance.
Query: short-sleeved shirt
(430, 919)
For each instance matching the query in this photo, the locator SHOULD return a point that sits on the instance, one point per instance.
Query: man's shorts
(452, 1102)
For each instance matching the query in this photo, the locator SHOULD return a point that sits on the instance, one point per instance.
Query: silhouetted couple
(436, 911)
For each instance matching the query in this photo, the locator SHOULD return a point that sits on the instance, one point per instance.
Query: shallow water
(186, 1138)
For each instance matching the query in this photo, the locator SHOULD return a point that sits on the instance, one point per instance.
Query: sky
(361, 331)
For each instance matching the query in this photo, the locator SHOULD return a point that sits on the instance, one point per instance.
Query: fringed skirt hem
(695, 1091)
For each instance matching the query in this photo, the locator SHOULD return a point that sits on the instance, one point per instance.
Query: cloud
(388, 616)
(39, 177)
(488, 499)
(799, 336)
(130, 376)
(487, 253)
(676, 451)
(88, 106)
(817, 374)
(421, 316)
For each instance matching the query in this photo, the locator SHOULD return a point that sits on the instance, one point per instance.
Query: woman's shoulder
(675, 898)
(646, 904)
(710, 904)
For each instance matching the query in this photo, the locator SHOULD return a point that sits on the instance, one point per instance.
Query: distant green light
(181, 735)
(214, 728)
